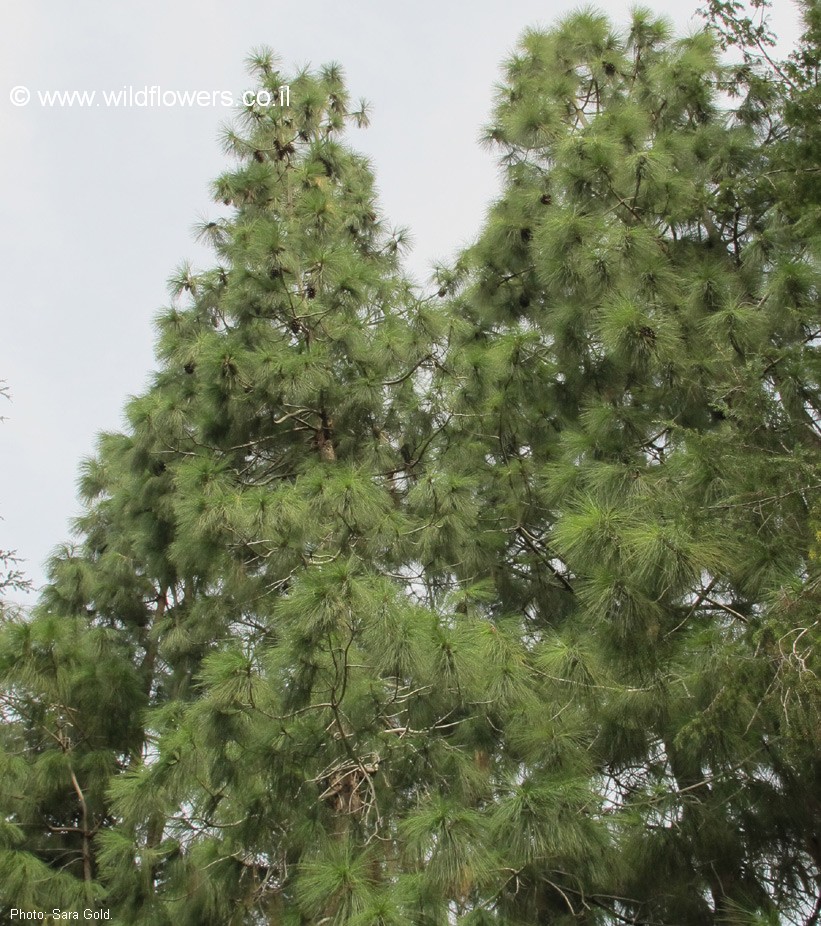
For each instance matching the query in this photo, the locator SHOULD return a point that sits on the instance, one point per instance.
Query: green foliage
(12, 577)
(498, 606)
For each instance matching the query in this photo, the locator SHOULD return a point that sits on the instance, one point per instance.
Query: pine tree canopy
(498, 605)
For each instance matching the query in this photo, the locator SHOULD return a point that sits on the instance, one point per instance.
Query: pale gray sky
(100, 201)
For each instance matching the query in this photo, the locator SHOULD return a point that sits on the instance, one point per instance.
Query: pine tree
(639, 393)
(496, 606)
(267, 447)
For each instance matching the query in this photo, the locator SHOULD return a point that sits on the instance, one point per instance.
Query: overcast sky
(99, 201)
